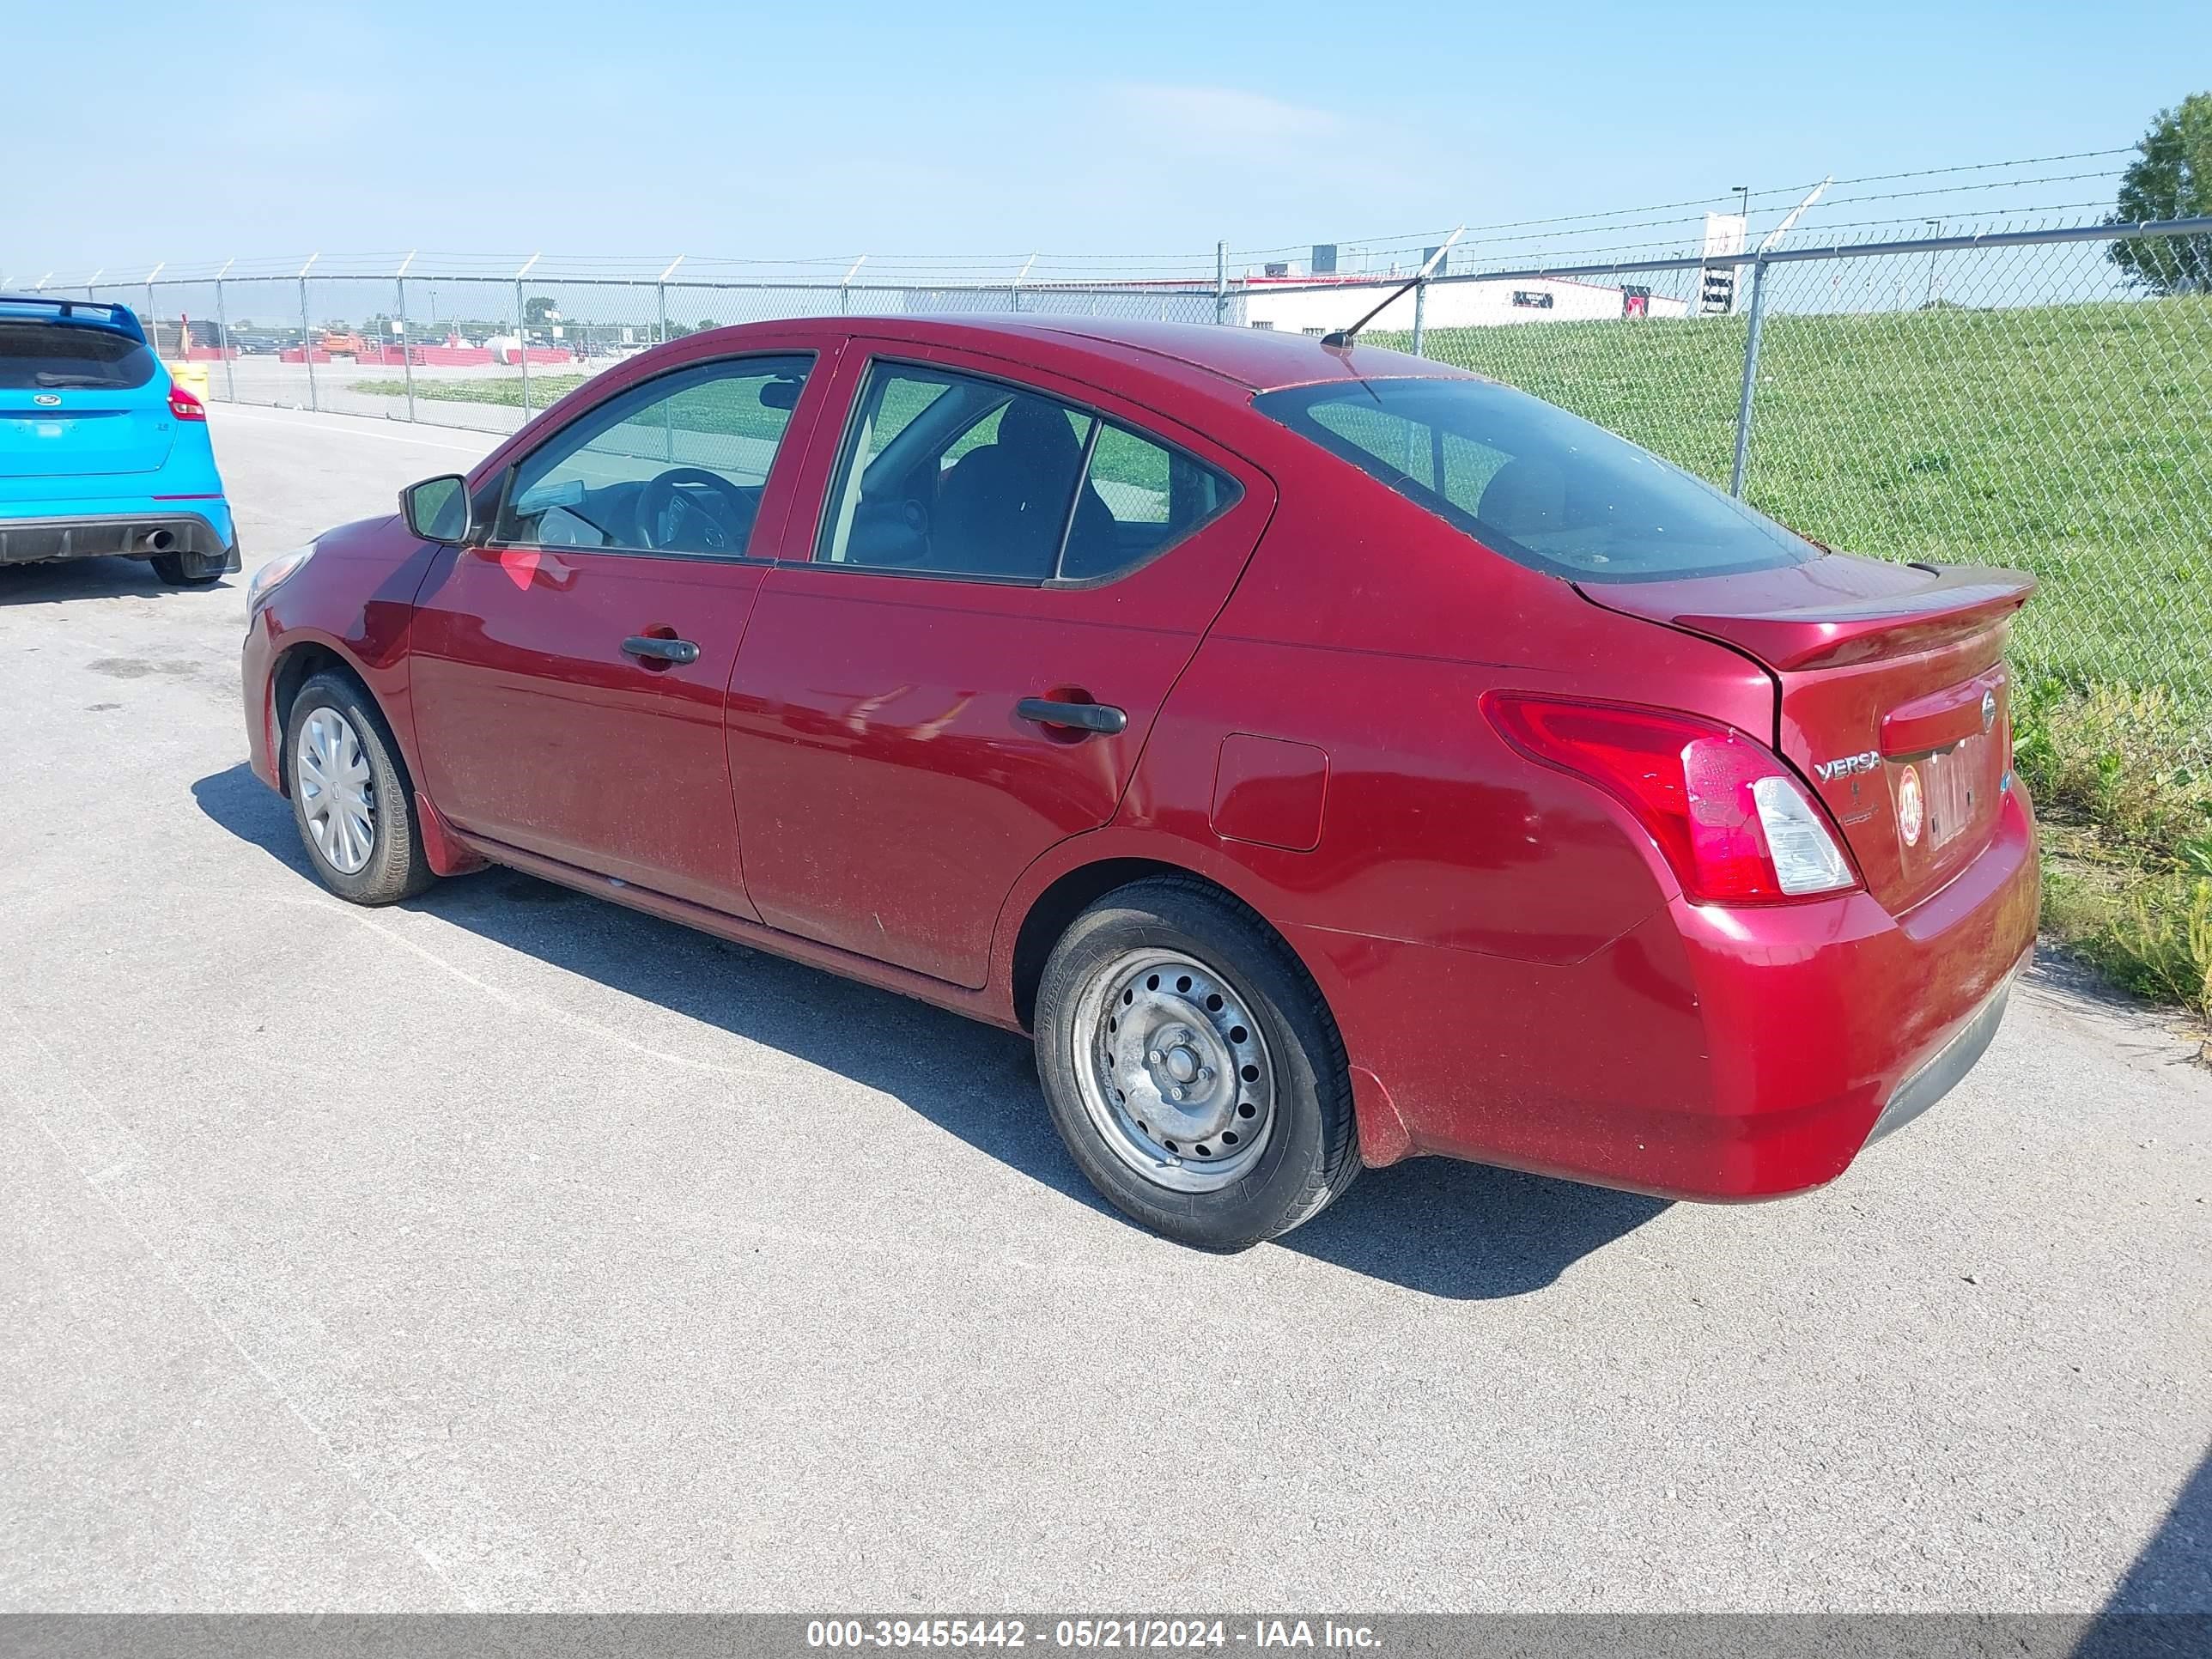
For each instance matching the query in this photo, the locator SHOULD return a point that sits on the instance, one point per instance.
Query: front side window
(676, 465)
(954, 475)
(40, 357)
(1546, 488)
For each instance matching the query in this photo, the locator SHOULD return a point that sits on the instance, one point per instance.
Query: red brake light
(185, 405)
(1735, 826)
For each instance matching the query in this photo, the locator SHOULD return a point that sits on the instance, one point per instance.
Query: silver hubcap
(337, 798)
(1173, 1072)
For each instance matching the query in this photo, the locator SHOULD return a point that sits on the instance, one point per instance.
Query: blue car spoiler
(83, 313)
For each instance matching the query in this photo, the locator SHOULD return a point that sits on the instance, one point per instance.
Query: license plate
(1954, 786)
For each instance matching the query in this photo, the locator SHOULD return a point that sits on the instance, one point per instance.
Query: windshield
(1546, 488)
(41, 357)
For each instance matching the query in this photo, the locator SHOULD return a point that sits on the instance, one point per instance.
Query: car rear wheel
(188, 569)
(349, 795)
(1193, 1068)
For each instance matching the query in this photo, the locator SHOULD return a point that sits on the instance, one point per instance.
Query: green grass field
(504, 393)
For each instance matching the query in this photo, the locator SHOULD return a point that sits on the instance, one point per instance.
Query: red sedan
(1327, 756)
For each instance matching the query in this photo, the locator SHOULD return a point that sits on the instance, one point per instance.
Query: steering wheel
(665, 501)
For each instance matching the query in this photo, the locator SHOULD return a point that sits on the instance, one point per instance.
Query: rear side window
(1152, 495)
(51, 356)
(954, 475)
(1546, 489)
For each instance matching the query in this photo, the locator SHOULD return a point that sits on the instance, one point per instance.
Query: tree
(2171, 178)
(540, 309)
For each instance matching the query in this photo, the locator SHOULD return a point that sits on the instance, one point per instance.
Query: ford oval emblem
(48, 400)
(1989, 709)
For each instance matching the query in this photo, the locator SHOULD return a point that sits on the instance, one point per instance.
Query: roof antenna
(1344, 337)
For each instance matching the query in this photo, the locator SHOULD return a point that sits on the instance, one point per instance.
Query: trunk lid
(80, 432)
(1891, 686)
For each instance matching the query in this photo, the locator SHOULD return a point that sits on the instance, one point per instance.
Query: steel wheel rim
(337, 800)
(1152, 1022)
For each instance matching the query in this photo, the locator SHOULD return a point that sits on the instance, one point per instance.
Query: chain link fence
(2002, 399)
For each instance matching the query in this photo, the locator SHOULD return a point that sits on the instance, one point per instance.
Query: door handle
(1101, 717)
(647, 648)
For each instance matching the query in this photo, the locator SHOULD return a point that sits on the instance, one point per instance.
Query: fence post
(153, 321)
(307, 335)
(1750, 378)
(662, 287)
(406, 351)
(1420, 307)
(522, 333)
(522, 347)
(222, 335)
(523, 350)
(1221, 281)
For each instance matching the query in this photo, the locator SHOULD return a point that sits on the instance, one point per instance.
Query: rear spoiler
(92, 313)
(1962, 600)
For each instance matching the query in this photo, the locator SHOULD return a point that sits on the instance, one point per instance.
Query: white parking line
(360, 425)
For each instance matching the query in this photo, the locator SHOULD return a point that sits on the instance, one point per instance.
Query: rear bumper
(1942, 1072)
(140, 533)
(1708, 1052)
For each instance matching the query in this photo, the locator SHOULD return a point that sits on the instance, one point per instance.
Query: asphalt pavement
(510, 1250)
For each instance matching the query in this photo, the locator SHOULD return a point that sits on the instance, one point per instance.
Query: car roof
(1248, 359)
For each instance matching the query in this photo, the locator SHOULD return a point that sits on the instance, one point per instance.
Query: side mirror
(439, 510)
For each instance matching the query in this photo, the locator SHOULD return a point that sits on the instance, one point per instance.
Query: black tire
(395, 867)
(1310, 1153)
(188, 569)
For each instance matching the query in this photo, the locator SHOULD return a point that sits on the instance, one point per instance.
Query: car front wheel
(349, 795)
(1193, 1068)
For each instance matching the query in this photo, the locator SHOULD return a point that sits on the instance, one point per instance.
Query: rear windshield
(1544, 488)
(46, 356)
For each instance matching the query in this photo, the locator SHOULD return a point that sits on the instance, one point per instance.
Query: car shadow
(83, 579)
(2163, 1603)
(1455, 1230)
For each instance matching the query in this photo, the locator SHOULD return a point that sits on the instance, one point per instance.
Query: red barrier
(426, 355)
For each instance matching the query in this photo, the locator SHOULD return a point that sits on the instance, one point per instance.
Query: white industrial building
(1318, 305)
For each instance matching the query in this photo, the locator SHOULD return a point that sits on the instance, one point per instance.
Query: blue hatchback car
(101, 452)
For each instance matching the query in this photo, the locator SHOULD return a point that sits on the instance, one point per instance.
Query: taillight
(185, 405)
(1735, 825)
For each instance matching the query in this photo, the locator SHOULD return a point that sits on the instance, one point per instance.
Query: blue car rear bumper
(111, 525)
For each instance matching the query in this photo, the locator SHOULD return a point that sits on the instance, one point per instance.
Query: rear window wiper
(47, 377)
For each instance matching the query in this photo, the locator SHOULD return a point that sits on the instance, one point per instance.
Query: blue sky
(797, 129)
